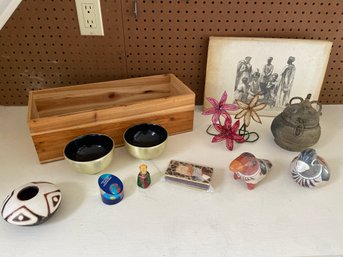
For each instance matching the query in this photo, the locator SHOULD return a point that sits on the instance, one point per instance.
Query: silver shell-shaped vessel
(308, 169)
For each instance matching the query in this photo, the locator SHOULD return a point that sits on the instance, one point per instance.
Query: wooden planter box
(58, 115)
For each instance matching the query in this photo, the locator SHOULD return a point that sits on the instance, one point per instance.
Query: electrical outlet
(89, 16)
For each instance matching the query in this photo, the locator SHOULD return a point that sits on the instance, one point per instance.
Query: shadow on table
(129, 186)
(217, 178)
(75, 196)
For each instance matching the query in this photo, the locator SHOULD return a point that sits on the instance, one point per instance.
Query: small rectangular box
(58, 115)
(189, 174)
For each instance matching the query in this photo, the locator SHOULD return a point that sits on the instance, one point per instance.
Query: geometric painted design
(53, 200)
(305, 182)
(23, 216)
(31, 203)
(5, 202)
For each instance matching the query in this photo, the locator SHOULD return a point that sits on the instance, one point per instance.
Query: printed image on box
(111, 189)
(189, 174)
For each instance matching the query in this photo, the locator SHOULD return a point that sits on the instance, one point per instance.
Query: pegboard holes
(178, 30)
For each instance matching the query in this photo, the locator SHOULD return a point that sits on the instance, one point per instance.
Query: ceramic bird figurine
(250, 169)
(308, 169)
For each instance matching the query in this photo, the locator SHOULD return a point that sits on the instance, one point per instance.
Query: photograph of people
(244, 69)
(273, 88)
(286, 81)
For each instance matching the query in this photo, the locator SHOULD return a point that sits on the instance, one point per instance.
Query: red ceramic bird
(250, 169)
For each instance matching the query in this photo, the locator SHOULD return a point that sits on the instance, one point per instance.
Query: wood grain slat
(68, 112)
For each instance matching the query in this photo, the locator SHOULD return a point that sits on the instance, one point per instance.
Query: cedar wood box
(58, 115)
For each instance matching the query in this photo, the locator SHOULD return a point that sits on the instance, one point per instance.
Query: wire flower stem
(246, 134)
(208, 131)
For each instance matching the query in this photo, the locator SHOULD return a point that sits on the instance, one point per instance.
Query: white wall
(7, 7)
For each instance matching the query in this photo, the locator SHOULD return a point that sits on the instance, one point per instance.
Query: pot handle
(299, 129)
(296, 98)
(318, 106)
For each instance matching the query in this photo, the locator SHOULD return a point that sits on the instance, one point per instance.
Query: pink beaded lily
(219, 108)
(227, 131)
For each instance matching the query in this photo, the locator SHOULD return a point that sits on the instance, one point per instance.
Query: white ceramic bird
(308, 169)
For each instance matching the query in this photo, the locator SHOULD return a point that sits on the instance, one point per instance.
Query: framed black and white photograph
(275, 69)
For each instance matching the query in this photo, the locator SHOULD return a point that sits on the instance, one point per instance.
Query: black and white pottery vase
(31, 204)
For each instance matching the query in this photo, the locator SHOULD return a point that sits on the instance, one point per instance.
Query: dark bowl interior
(88, 147)
(145, 135)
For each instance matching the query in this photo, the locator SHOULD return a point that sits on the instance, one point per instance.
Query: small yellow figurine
(143, 178)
